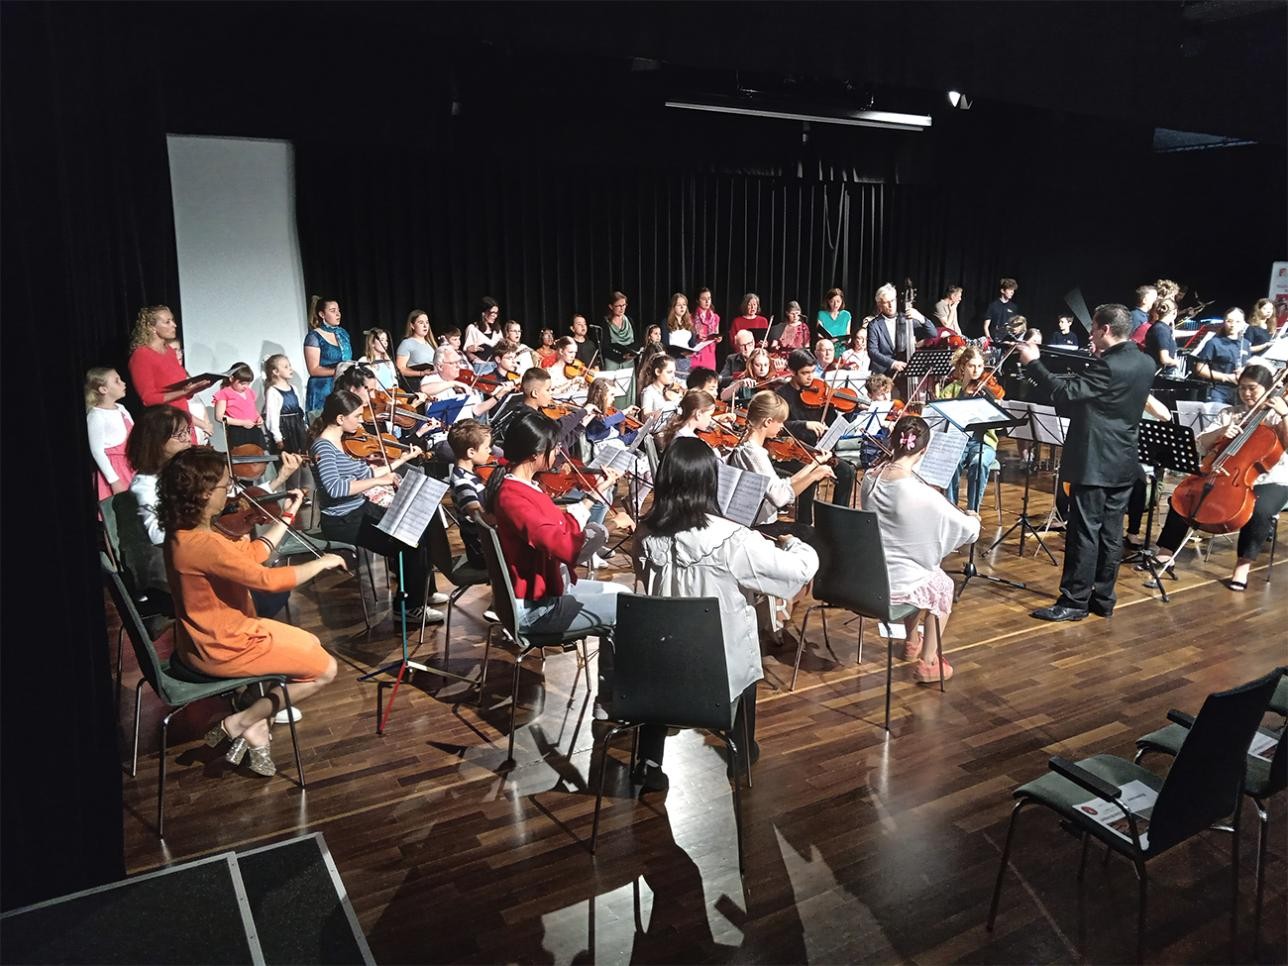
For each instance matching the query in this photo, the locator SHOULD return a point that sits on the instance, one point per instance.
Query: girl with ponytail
(918, 529)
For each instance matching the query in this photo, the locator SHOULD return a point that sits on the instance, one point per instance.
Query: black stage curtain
(384, 235)
(88, 238)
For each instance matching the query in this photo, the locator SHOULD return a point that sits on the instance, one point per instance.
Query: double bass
(1219, 499)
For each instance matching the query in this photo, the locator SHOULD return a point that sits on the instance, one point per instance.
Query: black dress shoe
(1058, 613)
(651, 777)
(1100, 610)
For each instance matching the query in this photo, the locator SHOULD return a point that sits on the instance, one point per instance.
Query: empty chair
(1202, 788)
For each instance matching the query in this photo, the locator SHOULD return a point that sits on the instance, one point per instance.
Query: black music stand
(1164, 446)
(976, 415)
(1039, 432)
(936, 362)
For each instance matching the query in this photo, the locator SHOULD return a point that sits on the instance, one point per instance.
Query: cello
(1219, 499)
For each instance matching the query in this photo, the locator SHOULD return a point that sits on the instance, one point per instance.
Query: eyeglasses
(181, 435)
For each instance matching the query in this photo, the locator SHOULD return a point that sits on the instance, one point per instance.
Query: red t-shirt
(151, 372)
(758, 326)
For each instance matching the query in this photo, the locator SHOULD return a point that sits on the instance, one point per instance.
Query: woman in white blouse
(919, 527)
(689, 550)
(482, 335)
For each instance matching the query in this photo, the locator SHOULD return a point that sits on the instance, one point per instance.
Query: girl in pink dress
(706, 325)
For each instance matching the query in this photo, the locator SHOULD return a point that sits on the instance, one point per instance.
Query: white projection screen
(240, 277)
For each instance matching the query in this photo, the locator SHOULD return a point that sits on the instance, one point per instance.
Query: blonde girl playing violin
(968, 370)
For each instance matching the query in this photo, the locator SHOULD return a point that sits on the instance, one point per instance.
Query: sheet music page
(835, 433)
(943, 458)
(613, 457)
(414, 505)
(739, 493)
(1199, 416)
(967, 411)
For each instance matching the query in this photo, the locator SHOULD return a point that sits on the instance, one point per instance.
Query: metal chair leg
(1143, 879)
(939, 649)
(138, 703)
(295, 741)
(1263, 819)
(603, 767)
(860, 638)
(889, 675)
(732, 748)
(1236, 825)
(487, 651)
(514, 703)
(746, 743)
(165, 741)
(1001, 869)
(800, 645)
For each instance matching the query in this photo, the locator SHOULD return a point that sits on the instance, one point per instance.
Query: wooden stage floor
(860, 848)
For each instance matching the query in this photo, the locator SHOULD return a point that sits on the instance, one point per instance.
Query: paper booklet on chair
(1137, 797)
(739, 493)
(413, 507)
(943, 457)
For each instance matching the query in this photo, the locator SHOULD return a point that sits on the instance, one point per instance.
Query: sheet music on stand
(620, 378)
(1047, 426)
(1199, 416)
(413, 507)
(839, 429)
(847, 379)
(739, 493)
(943, 458)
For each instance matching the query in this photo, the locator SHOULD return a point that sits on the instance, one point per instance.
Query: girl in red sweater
(543, 542)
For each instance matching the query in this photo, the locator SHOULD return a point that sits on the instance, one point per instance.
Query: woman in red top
(543, 542)
(154, 364)
(749, 317)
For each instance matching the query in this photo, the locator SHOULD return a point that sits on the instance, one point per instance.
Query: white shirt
(919, 527)
(731, 563)
(755, 459)
(106, 428)
(891, 323)
(144, 488)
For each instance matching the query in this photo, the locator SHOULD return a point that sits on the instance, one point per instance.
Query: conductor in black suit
(1104, 404)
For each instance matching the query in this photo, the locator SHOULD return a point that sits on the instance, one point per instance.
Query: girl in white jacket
(689, 550)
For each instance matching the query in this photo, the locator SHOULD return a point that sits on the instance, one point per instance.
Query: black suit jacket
(1104, 404)
(882, 353)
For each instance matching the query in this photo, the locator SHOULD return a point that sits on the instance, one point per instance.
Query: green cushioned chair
(1263, 779)
(1202, 788)
(176, 685)
(852, 576)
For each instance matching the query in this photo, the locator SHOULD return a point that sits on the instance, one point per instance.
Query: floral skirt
(934, 594)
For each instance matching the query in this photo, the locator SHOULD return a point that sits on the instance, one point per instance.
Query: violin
(381, 404)
(1219, 499)
(373, 446)
(579, 370)
(631, 423)
(988, 385)
(242, 515)
(898, 408)
(818, 394)
(570, 476)
(718, 437)
(250, 460)
(558, 410)
(491, 381)
(790, 449)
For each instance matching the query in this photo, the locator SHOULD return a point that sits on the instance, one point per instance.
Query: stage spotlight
(959, 100)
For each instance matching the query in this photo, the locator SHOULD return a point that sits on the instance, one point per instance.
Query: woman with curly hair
(154, 364)
(216, 630)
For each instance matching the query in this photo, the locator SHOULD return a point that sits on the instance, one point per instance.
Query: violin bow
(305, 541)
(587, 488)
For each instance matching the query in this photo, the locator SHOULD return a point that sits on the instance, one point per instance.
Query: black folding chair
(669, 669)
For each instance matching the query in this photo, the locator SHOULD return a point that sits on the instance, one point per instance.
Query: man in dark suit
(889, 334)
(1104, 404)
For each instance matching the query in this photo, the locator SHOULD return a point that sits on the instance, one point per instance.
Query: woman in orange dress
(216, 630)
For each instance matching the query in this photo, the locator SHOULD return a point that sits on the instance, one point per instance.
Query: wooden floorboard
(860, 847)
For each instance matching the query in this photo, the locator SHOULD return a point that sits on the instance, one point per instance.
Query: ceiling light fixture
(887, 120)
(959, 100)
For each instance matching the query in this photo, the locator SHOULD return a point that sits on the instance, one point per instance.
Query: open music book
(943, 458)
(211, 377)
(739, 493)
(614, 458)
(413, 507)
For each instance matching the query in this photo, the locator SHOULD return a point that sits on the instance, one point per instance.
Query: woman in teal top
(834, 319)
(968, 368)
(325, 347)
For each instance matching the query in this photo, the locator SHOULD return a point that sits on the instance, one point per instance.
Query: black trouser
(358, 527)
(842, 490)
(1270, 500)
(653, 737)
(1093, 545)
(1136, 505)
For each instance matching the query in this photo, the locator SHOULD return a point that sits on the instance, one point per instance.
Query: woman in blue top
(834, 319)
(325, 347)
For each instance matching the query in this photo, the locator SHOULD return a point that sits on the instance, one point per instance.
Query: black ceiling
(1205, 66)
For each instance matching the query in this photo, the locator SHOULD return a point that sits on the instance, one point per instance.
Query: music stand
(1164, 446)
(936, 362)
(1046, 430)
(976, 415)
